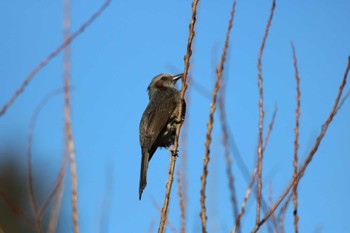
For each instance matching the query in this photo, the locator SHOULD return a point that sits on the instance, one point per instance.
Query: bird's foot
(178, 121)
(173, 152)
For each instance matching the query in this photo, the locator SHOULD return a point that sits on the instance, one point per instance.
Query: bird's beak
(178, 76)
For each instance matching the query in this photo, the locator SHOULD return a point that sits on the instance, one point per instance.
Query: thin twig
(182, 201)
(195, 85)
(67, 116)
(342, 101)
(244, 170)
(273, 218)
(200, 88)
(178, 128)
(281, 215)
(253, 176)
(261, 112)
(307, 161)
(182, 180)
(151, 226)
(57, 194)
(266, 140)
(244, 203)
(34, 205)
(241, 165)
(219, 72)
(228, 159)
(269, 131)
(56, 186)
(296, 141)
(167, 222)
(53, 54)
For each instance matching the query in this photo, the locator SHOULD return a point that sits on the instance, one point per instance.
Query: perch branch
(178, 128)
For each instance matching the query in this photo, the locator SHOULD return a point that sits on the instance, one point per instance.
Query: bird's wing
(157, 115)
(154, 119)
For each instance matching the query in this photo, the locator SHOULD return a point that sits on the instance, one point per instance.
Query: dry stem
(282, 213)
(67, 117)
(253, 177)
(296, 143)
(57, 194)
(342, 101)
(34, 205)
(311, 154)
(244, 203)
(53, 54)
(228, 159)
(269, 131)
(56, 186)
(182, 201)
(219, 72)
(261, 112)
(274, 221)
(176, 140)
(182, 171)
(167, 222)
(151, 226)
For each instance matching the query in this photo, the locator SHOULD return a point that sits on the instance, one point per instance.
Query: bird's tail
(143, 172)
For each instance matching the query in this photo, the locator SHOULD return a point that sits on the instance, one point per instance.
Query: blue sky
(113, 62)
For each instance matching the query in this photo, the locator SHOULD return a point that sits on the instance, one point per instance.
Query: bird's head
(162, 81)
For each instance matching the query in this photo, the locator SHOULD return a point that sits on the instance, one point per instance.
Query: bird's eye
(163, 78)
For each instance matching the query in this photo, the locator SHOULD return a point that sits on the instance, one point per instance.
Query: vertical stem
(176, 140)
(296, 143)
(219, 72)
(261, 113)
(312, 152)
(182, 201)
(67, 116)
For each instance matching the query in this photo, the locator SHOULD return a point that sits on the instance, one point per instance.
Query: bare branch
(57, 194)
(244, 203)
(56, 186)
(178, 128)
(274, 221)
(52, 55)
(296, 143)
(253, 176)
(312, 153)
(219, 72)
(167, 222)
(67, 116)
(281, 215)
(182, 201)
(33, 121)
(269, 131)
(225, 136)
(261, 112)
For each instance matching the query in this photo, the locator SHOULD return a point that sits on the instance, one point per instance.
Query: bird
(159, 120)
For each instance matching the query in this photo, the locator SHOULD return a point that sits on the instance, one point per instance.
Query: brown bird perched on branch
(159, 120)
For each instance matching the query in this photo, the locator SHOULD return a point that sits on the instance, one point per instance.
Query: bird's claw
(174, 152)
(181, 121)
